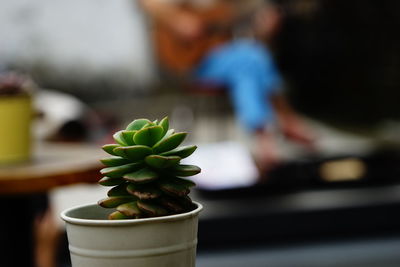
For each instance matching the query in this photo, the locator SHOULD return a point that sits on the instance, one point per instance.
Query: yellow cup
(15, 128)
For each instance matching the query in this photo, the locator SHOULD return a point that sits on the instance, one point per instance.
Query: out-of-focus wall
(60, 40)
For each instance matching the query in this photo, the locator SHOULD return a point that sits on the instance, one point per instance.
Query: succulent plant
(15, 84)
(145, 173)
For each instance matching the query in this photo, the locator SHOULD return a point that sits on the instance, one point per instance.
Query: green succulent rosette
(145, 173)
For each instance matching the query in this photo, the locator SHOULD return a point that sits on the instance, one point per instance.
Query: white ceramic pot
(94, 241)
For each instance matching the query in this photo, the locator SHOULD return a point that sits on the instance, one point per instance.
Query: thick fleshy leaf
(119, 171)
(118, 191)
(119, 138)
(133, 153)
(175, 187)
(150, 124)
(116, 215)
(109, 148)
(130, 209)
(169, 143)
(144, 175)
(186, 202)
(151, 209)
(165, 124)
(128, 137)
(186, 170)
(183, 152)
(144, 191)
(168, 134)
(114, 161)
(161, 162)
(183, 181)
(107, 181)
(113, 202)
(172, 204)
(148, 136)
(136, 125)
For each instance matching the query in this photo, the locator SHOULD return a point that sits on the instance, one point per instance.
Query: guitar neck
(243, 16)
(219, 22)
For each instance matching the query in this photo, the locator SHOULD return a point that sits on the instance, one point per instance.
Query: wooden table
(23, 193)
(52, 165)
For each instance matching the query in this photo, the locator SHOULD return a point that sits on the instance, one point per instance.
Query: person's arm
(265, 152)
(181, 22)
(292, 126)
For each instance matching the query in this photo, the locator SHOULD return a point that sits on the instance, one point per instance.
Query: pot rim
(125, 222)
(23, 95)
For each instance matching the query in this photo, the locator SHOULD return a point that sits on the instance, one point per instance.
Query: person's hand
(295, 130)
(266, 153)
(291, 125)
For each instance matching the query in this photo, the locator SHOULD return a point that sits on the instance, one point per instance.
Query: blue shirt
(246, 68)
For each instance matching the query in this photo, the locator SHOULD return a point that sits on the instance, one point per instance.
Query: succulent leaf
(144, 175)
(113, 202)
(109, 148)
(151, 209)
(172, 204)
(133, 153)
(128, 137)
(118, 191)
(150, 124)
(173, 188)
(168, 134)
(114, 161)
(119, 138)
(183, 182)
(108, 181)
(164, 123)
(144, 191)
(136, 125)
(183, 152)
(161, 162)
(130, 209)
(148, 136)
(119, 171)
(169, 143)
(186, 170)
(186, 202)
(116, 215)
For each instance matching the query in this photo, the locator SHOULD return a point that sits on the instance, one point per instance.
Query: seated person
(221, 42)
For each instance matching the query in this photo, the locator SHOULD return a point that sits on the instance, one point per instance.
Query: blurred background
(96, 65)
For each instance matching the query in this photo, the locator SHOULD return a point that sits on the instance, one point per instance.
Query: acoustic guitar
(181, 55)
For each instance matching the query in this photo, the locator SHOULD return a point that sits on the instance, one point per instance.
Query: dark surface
(382, 168)
(296, 204)
(16, 224)
(373, 252)
(301, 216)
